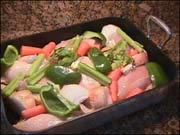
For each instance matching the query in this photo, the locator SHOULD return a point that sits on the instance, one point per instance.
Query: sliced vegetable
(9, 89)
(64, 56)
(47, 49)
(158, 76)
(62, 75)
(34, 88)
(55, 103)
(34, 78)
(114, 91)
(89, 71)
(29, 50)
(36, 64)
(130, 41)
(134, 92)
(101, 63)
(115, 74)
(118, 56)
(77, 42)
(10, 55)
(83, 49)
(90, 34)
(31, 112)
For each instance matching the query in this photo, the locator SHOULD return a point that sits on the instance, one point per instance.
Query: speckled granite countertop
(29, 17)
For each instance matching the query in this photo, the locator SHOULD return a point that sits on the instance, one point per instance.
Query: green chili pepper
(101, 63)
(36, 64)
(34, 78)
(55, 103)
(10, 56)
(158, 75)
(90, 34)
(62, 75)
(101, 78)
(8, 90)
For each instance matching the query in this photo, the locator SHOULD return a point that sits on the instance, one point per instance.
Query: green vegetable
(158, 75)
(117, 56)
(62, 75)
(77, 42)
(9, 89)
(130, 41)
(101, 63)
(90, 34)
(36, 64)
(101, 78)
(10, 56)
(34, 78)
(34, 88)
(55, 103)
(64, 56)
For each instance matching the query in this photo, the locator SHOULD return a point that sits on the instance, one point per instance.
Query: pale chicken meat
(28, 59)
(15, 69)
(140, 58)
(21, 100)
(39, 122)
(110, 32)
(137, 78)
(75, 93)
(99, 97)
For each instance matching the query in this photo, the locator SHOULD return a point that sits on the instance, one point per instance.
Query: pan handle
(161, 24)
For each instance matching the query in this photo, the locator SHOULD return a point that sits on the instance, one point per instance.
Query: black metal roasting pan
(112, 112)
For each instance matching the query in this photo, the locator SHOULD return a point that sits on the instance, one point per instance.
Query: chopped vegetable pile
(62, 81)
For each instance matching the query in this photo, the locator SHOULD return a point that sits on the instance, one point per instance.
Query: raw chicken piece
(85, 109)
(39, 122)
(99, 97)
(86, 60)
(149, 87)
(140, 58)
(37, 98)
(22, 85)
(110, 32)
(61, 44)
(137, 78)
(88, 82)
(75, 93)
(15, 69)
(44, 81)
(22, 100)
(28, 59)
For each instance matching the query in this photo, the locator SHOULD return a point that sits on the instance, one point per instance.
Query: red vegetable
(28, 50)
(33, 111)
(84, 47)
(114, 91)
(134, 92)
(48, 49)
(115, 74)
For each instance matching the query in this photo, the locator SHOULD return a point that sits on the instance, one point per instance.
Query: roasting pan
(101, 116)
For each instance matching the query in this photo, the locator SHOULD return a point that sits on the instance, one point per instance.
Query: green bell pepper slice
(62, 75)
(55, 103)
(10, 56)
(158, 76)
(101, 63)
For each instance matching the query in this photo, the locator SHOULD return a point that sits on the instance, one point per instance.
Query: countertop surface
(30, 17)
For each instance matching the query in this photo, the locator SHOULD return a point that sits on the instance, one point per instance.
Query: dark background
(30, 17)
